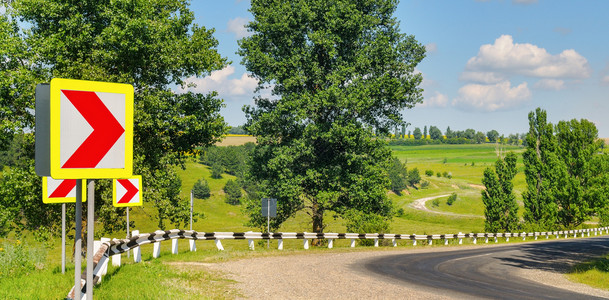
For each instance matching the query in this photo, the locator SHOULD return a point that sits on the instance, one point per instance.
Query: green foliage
(201, 189)
(21, 206)
(451, 199)
(501, 209)
(435, 202)
(492, 135)
(429, 173)
(18, 151)
(361, 222)
(232, 189)
(152, 45)
(216, 170)
(414, 177)
(398, 176)
(233, 159)
(417, 133)
(577, 144)
(435, 133)
(237, 130)
(438, 174)
(339, 69)
(543, 172)
(18, 259)
(424, 184)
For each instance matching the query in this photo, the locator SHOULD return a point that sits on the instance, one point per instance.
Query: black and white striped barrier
(113, 248)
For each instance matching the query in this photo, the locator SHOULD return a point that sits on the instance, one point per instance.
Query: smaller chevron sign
(60, 190)
(127, 192)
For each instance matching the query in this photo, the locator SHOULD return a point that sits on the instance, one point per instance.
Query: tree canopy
(336, 70)
(152, 45)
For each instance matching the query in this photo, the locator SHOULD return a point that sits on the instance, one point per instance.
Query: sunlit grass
(594, 273)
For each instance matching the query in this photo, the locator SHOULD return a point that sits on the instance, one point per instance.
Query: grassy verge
(594, 273)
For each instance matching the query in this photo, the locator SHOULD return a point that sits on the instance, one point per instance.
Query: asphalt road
(491, 272)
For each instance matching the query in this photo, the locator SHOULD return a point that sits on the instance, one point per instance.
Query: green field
(466, 163)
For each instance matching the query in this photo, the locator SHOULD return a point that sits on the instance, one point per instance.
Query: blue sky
(489, 63)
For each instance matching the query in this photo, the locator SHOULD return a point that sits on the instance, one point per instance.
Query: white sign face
(127, 192)
(91, 132)
(60, 190)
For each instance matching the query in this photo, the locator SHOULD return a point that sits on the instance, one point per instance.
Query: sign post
(60, 191)
(190, 209)
(84, 129)
(269, 209)
(78, 241)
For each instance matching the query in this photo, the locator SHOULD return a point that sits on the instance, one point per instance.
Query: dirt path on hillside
(420, 205)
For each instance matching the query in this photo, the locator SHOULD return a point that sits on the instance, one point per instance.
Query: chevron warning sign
(127, 192)
(91, 129)
(60, 190)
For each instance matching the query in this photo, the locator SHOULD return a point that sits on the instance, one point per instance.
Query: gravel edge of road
(339, 275)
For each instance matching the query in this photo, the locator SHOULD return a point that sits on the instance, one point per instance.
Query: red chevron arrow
(106, 129)
(64, 188)
(131, 190)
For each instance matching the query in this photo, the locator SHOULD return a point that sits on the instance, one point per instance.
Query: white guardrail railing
(107, 248)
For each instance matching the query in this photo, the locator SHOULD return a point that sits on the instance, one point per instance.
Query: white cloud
(505, 57)
(492, 97)
(237, 26)
(550, 84)
(482, 77)
(431, 48)
(605, 80)
(219, 81)
(437, 100)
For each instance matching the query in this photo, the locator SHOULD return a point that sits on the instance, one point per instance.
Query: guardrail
(113, 248)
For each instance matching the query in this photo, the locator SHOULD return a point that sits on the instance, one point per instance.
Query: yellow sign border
(47, 200)
(139, 187)
(58, 84)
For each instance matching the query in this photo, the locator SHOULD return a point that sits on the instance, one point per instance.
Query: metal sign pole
(268, 221)
(78, 239)
(128, 229)
(63, 238)
(90, 230)
(190, 209)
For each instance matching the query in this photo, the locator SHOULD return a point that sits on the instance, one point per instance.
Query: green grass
(199, 282)
(594, 273)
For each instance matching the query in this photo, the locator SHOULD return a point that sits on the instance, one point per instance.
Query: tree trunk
(318, 222)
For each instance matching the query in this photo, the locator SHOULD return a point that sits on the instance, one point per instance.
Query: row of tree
(468, 136)
(567, 176)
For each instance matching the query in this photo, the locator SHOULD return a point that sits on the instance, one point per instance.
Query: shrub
(429, 173)
(201, 189)
(445, 160)
(424, 184)
(400, 212)
(445, 174)
(451, 199)
(435, 202)
(439, 174)
(397, 175)
(360, 222)
(413, 177)
(217, 170)
(233, 192)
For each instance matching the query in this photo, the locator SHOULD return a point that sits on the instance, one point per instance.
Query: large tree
(543, 171)
(577, 144)
(152, 45)
(336, 70)
(501, 208)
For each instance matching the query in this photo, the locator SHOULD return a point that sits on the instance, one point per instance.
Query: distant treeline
(435, 136)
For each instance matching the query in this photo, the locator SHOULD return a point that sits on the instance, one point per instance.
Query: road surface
(491, 272)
